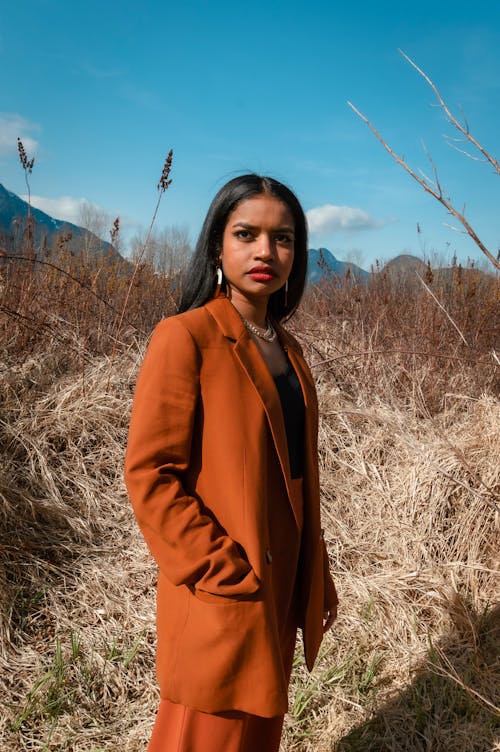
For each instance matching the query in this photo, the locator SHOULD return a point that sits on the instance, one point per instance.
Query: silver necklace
(269, 335)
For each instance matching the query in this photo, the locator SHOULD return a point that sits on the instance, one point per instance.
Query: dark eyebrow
(248, 226)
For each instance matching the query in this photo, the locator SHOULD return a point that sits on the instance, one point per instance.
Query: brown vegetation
(407, 373)
(408, 337)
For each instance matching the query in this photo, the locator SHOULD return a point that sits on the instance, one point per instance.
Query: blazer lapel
(255, 367)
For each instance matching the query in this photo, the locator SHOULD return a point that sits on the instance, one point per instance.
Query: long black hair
(199, 283)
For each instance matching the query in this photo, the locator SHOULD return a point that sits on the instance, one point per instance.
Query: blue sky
(99, 92)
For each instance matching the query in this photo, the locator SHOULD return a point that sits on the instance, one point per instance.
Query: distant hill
(13, 215)
(323, 264)
(405, 263)
(409, 266)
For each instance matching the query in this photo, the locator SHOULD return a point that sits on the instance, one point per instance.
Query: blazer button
(269, 556)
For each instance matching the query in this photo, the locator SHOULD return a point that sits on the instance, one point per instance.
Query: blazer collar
(250, 358)
(232, 326)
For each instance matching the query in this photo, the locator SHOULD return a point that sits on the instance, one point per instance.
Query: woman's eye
(284, 238)
(242, 234)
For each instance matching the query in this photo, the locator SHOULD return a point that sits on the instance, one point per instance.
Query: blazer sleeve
(186, 540)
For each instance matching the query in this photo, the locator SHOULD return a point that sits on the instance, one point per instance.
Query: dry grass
(411, 499)
(413, 539)
(80, 302)
(77, 584)
(410, 530)
(409, 436)
(400, 336)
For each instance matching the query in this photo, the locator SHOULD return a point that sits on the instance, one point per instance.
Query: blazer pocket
(222, 600)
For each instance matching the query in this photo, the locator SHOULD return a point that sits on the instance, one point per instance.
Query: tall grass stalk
(162, 186)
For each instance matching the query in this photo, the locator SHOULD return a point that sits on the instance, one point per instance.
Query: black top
(293, 407)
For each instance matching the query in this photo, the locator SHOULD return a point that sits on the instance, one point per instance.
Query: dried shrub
(410, 425)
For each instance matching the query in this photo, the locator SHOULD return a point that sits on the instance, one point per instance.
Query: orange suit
(206, 469)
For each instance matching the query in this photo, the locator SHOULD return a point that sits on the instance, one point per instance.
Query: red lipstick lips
(261, 273)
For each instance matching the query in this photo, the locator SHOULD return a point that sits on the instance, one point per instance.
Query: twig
(448, 139)
(88, 288)
(423, 353)
(442, 308)
(435, 192)
(465, 131)
(452, 674)
(34, 325)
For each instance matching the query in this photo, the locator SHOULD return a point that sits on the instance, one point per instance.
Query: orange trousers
(181, 729)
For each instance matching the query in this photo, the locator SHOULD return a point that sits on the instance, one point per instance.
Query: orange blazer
(207, 445)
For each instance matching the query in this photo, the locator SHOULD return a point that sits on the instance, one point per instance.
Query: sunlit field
(407, 371)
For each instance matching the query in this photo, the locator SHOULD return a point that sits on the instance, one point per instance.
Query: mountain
(322, 264)
(405, 264)
(13, 215)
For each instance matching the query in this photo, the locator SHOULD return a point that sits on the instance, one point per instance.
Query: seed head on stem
(164, 181)
(27, 164)
(162, 187)
(115, 230)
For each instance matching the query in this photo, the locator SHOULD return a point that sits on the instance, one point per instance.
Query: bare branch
(434, 168)
(428, 179)
(454, 228)
(429, 189)
(463, 129)
(449, 139)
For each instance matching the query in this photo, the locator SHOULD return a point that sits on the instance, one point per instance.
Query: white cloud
(82, 212)
(331, 218)
(67, 208)
(13, 125)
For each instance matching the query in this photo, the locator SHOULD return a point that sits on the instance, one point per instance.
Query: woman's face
(258, 247)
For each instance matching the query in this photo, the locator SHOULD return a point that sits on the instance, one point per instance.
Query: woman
(222, 471)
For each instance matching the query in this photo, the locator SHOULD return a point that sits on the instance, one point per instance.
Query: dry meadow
(407, 373)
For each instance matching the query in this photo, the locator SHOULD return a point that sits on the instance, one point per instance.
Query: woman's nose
(265, 249)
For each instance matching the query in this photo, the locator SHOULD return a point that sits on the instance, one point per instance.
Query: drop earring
(286, 293)
(218, 280)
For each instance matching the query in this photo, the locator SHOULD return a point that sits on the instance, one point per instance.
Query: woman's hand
(328, 618)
